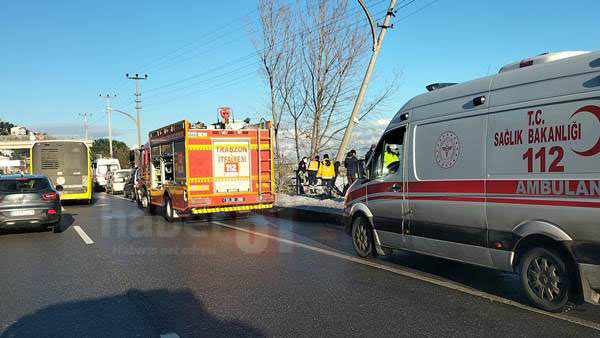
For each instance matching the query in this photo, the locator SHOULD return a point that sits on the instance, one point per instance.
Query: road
(118, 271)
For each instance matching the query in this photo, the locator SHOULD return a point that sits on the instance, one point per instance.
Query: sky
(57, 57)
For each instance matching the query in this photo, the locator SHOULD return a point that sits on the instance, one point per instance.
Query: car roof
(14, 177)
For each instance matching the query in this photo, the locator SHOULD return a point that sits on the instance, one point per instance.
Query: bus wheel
(362, 238)
(546, 280)
(169, 212)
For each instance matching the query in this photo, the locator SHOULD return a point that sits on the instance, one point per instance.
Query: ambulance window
(388, 156)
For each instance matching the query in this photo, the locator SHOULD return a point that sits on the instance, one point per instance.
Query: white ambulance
(501, 172)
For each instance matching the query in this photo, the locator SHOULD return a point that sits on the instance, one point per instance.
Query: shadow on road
(65, 223)
(134, 313)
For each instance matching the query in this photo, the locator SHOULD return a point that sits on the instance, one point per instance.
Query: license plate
(23, 213)
(233, 199)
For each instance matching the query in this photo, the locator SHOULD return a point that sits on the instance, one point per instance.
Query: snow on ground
(307, 202)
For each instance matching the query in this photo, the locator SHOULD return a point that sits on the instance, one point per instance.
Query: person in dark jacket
(301, 176)
(369, 153)
(351, 164)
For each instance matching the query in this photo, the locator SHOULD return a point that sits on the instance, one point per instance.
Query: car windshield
(24, 185)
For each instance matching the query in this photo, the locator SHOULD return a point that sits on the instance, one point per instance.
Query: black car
(29, 201)
(129, 188)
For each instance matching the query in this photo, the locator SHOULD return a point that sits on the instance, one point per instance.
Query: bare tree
(276, 50)
(312, 56)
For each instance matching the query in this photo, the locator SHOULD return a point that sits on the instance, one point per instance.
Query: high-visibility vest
(389, 158)
(326, 171)
(313, 166)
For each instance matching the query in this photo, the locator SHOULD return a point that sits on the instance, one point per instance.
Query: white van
(101, 168)
(501, 172)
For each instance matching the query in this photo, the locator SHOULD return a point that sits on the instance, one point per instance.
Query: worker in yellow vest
(390, 156)
(313, 168)
(326, 173)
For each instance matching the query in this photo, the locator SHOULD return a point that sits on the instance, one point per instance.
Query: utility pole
(85, 124)
(138, 103)
(109, 112)
(363, 88)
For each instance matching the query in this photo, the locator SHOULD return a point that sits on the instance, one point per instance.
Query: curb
(309, 215)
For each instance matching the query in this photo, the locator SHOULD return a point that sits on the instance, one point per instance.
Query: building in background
(18, 131)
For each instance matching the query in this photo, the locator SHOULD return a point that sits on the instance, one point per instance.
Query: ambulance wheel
(362, 237)
(169, 212)
(547, 280)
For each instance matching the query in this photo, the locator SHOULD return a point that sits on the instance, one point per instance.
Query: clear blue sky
(58, 56)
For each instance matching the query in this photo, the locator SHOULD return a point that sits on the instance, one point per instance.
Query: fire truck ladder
(264, 156)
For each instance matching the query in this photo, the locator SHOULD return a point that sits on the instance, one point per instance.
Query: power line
(227, 84)
(85, 124)
(245, 57)
(403, 4)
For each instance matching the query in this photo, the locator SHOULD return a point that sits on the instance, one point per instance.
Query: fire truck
(192, 168)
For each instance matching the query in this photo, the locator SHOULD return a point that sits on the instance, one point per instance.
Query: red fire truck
(193, 168)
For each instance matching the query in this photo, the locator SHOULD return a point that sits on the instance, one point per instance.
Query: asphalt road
(120, 272)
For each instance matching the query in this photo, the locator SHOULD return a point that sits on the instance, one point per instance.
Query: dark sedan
(29, 201)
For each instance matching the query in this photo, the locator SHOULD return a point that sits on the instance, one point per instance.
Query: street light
(134, 121)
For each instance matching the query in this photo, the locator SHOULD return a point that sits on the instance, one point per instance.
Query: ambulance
(501, 172)
(192, 168)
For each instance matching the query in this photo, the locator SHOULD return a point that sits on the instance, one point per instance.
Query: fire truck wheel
(147, 204)
(169, 212)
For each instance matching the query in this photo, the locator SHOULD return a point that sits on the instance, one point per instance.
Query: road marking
(86, 239)
(123, 198)
(170, 335)
(405, 273)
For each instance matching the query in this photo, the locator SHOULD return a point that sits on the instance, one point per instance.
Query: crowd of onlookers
(318, 176)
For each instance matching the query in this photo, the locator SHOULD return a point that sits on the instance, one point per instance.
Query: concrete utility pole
(109, 112)
(85, 124)
(363, 88)
(138, 104)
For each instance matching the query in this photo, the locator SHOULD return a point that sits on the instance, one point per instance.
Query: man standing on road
(326, 172)
(301, 176)
(313, 168)
(369, 153)
(351, 164)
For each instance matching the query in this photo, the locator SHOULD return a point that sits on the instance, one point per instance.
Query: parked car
(29, 201)
(130, 188)
(116, 181)
(501, 172)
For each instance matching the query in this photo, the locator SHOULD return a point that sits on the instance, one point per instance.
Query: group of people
(327, 171)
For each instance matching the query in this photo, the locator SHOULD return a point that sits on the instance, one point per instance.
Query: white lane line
(123, 198)
(405, 273)
(86, 239)
(169, 335)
